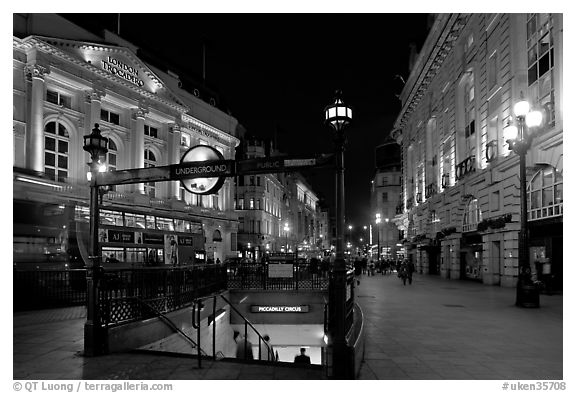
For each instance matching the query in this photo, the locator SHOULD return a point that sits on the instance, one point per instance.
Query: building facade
(259, 203)
(277, 212)
(460, 208)
(67, 80)
(385, 197)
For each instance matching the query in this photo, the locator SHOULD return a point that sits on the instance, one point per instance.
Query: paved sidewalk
(446, 329)
(434, 329)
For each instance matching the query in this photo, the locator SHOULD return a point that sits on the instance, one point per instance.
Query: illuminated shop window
(56, 140)
(58, 98)
(546, 194)
(540, 43)
(149, 161)
(110, 117)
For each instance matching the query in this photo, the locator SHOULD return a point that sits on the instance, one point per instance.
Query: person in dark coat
(302, 358)
(410, 268)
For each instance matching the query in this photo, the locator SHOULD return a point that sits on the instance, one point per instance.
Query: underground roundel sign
(203, 185)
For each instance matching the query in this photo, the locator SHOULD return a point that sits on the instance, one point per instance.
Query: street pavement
(457, 330)
(435, 329)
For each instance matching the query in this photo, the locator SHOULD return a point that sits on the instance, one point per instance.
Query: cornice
(46, 45)
(209, 131)
(439, 43)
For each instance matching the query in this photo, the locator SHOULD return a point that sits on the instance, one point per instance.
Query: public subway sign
(122, 70)
(279, 309)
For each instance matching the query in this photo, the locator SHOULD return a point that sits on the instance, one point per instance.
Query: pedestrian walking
(410, 270)
(243, 347)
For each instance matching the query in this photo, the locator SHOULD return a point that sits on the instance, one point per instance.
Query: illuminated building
(460, 208)
(259, 205)
(385, 197)
(65, 81)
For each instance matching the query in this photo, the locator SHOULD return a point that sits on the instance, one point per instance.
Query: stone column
(95, 99)
(35, 136)
(174, 158)
(138, 143)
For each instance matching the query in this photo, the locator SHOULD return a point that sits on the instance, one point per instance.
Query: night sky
(275, 73)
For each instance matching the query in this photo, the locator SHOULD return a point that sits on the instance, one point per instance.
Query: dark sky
(279, 71)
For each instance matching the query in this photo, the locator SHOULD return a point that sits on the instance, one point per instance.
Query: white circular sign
(202, 185)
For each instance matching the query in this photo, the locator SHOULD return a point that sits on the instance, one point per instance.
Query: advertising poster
(171, 249)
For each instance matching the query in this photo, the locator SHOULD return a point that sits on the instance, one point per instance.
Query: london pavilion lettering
(122, 70)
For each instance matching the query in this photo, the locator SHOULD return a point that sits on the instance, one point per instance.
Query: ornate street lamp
(519, 141)
(338, 116)
(94, 341)
(378, 221)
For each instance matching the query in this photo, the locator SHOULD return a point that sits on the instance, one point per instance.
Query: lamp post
(338, 116)
(387, 240)
(94, 340)
(378, 220)
(519, 141)
(286, 230)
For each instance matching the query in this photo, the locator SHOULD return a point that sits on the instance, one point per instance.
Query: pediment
(117, 63)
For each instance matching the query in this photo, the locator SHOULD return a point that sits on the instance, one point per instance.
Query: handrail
(260, 338)
(171, 324)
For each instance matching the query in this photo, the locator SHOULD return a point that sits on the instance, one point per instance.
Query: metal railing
(123, 291)
(36, 289)
(196, 317)
(253, 275)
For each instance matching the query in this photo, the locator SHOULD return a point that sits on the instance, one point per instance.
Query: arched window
(545, 194)
(56, 141)
(149, 161)
(470, 116)
(472, 216)
(217, 236)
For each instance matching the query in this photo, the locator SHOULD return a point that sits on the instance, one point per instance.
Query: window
(150, 131)
(58, 98)
(251, 203)
(384, 180)
(165, 224)
(241, 204)
(215, 202)
(541, 63)
(251, 180)
(134, 220)
(241, 181)
(111, 155)
(472, 216)
(384, 197)
(110, 117)
(492, 70)
(258, 180)
(111, 217)
(184, 140)
(149, 161)
(56, 140)
(546, 195)
(150, 222)
(495, 204)
(257, 204)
